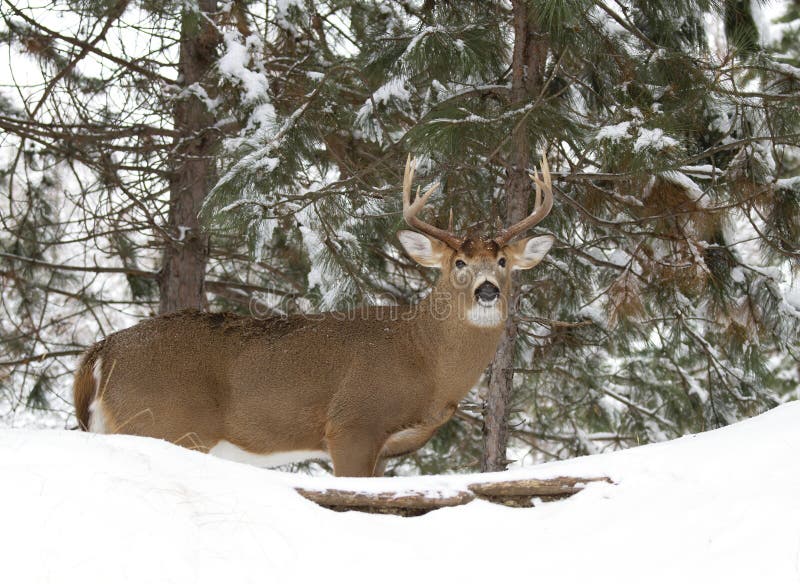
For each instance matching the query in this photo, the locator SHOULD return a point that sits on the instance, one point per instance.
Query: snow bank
(716, 507)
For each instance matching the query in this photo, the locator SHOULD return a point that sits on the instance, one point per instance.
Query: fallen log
(407, 503)
(521, 492)
(513, 493)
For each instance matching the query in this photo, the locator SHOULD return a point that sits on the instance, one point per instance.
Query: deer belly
(229, 451)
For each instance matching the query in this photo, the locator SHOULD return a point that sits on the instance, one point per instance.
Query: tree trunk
(529, 58)
(181, 281)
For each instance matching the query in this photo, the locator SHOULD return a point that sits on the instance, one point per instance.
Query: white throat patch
(485, 315)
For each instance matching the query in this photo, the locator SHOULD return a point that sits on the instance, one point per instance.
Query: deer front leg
(380, 467)
(354, 452)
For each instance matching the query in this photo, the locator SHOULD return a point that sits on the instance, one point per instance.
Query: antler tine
(411, 209)
(542, 207)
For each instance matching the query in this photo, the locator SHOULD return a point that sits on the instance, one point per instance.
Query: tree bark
(182, 277)
(528, 62)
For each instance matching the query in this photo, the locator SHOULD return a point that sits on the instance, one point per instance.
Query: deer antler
(410, 210)
(540, 210)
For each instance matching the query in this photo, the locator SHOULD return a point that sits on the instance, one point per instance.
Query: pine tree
(191, 165)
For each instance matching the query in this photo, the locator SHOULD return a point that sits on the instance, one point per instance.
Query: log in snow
(516, 493)
(406, 504)
(520, 493)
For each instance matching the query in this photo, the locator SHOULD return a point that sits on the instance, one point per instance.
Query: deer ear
(526, 253)
(426, 251)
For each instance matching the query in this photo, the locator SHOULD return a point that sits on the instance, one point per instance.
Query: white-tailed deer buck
(356, 388)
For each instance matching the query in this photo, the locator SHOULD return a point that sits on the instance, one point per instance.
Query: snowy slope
(723, 506)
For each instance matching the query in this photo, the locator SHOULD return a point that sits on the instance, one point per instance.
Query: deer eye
(460, 264)
(502, 262)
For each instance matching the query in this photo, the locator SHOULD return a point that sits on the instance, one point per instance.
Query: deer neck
(457, 349)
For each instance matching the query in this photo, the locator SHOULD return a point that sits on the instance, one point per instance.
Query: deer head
(476, 270)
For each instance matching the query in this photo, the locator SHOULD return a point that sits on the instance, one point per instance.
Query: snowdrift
(723, 506)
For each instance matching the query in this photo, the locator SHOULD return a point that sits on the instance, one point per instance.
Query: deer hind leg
(354, 453)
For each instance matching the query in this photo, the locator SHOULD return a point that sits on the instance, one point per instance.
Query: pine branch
(89, 46)
(41, 357)
(93, 269)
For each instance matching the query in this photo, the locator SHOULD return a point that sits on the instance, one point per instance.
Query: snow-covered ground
(723, 506)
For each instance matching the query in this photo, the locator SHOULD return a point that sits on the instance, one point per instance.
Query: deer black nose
(487, 292)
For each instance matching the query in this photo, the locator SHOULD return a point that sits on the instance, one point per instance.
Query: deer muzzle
(487, 293)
